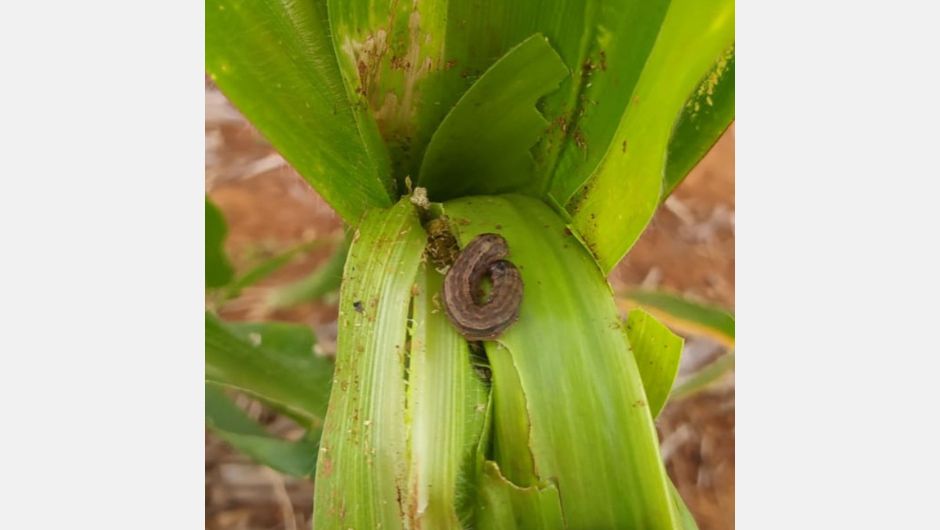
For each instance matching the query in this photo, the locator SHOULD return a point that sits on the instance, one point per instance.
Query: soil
(688, 249)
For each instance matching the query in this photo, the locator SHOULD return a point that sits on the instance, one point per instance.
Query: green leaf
(480, 33)
(506, 506)
(589, 428)
(684, 315)
(268, 267)
(325, 279)
(613, 207)
(275, 61)
(482, 146)
(229, 423)
(657, 351)
(446, 406)
(282, 371)
(691, 318)
(511, 424)
(362, 469)
(404, 67)
(411, 62)
(704, 377)
(705, 117)
(612, 52)
(288, 340)
(218, 269)
(391, 58)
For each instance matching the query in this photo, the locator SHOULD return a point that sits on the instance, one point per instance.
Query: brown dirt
(688, 249)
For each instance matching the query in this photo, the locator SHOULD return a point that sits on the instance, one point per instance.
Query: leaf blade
(228, 422)
(219, 270)
(613, 207)
(597, 440)
(706, 115)
(704, 377)
(299, 384)
(482, 145)
(324, 280)
(447, 406)
(267, 267)
(683, 314)
(657, 351)
(505, 505)
(610, 64)
(275, 62)
(362, 451)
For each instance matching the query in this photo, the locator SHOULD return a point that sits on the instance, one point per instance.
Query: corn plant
(690, 318)
(558, 126)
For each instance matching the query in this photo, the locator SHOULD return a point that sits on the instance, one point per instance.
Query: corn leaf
(705, 117)
(228, 422)
(683, 314)
(218, 269)
(511, 423)
(657, 351)
(701, 379)
(506, 506)
(273, 362)
(482, 146)
(392, 73)
(288, 340)
(362, 468)
(410, 63)
(446, 406)
(314, 286)
(616, 203)
(614, 46)
(275, 61)
(268, 267)
(589, 428)
(391, 55)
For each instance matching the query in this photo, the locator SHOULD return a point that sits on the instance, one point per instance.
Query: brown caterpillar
(474, 318)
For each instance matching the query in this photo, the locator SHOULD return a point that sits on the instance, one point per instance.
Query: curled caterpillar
(474, 317)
